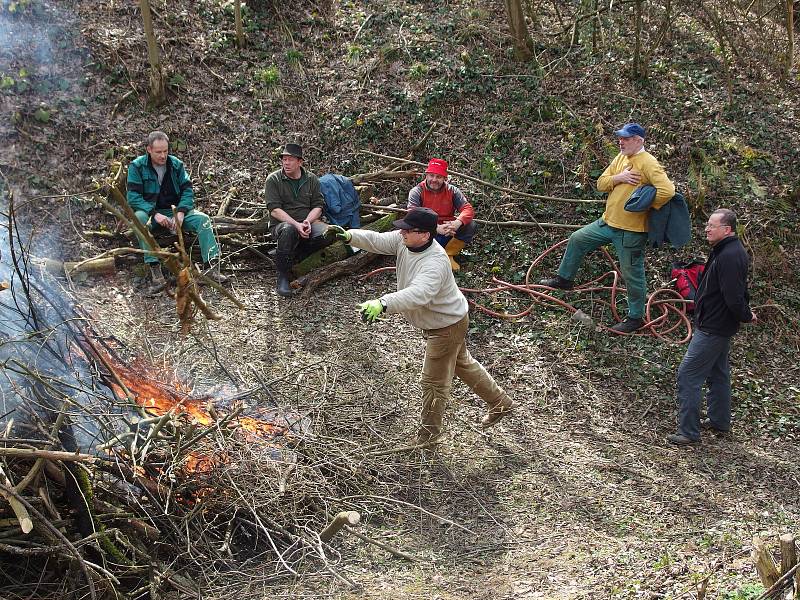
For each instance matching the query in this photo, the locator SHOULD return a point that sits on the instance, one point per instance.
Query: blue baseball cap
(630, 130)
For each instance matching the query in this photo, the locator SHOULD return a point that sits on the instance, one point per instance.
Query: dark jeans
(289, 242)
(706, 361)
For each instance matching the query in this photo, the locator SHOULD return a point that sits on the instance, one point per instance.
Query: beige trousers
(446, 355)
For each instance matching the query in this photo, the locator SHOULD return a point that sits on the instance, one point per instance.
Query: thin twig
(387, 547)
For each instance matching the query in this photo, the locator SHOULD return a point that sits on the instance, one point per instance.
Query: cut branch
(49, 455)
(490, 185)
(343, 518)
(534, 224)
(383, 546)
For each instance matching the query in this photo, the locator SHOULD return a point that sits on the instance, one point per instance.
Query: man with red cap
(456, 226)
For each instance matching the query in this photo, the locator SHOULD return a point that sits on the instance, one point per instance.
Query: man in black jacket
(722, 304)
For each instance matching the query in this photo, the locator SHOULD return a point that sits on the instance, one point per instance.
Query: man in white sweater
(428, 296)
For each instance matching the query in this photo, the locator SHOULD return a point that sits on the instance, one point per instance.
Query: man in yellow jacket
(626, 230)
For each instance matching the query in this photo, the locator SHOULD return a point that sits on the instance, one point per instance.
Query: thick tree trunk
(533, 14)
(519, 29)
(157, 95)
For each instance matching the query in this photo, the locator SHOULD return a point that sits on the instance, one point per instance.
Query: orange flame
(159, 398)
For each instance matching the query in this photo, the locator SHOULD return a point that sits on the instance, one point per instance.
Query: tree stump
(765, 565)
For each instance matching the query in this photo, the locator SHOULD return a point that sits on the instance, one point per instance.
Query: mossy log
(354, 264)
(338, 251)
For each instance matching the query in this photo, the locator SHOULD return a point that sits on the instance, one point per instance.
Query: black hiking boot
(283, 264)
(681, 440)
(629, 325)
(557, 282)
(709, 426)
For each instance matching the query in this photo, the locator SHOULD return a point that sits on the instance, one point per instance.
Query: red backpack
(687, 278)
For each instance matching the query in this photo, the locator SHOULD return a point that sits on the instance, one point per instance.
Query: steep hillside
(577, 496)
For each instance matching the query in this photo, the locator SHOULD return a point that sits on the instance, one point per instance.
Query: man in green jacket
(295, 204)
(157, 181)
(626, 230)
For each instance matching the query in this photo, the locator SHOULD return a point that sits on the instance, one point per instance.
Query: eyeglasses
(710, 226)
(413, 231)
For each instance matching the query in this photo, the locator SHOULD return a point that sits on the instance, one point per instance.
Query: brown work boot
(214, 273)
(428, 436)
(497, 412)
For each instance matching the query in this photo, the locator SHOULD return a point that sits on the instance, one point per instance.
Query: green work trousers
(629, 246)
(194, 221)
(446, 355)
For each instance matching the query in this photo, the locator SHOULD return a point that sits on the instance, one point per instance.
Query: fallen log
(351, 265)
(339, 250)
(92, 266)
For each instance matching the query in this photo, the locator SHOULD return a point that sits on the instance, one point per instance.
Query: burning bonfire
(104, 472)
(116, 485)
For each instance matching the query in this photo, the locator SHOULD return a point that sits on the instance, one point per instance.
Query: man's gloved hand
(371, 310)
(339, 233)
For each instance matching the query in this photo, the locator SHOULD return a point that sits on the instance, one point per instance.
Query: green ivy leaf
(758, 190)
(42, 115)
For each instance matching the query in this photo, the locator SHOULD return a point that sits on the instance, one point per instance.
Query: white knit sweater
(427, 293)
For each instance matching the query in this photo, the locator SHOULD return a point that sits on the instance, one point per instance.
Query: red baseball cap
(437, 166)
